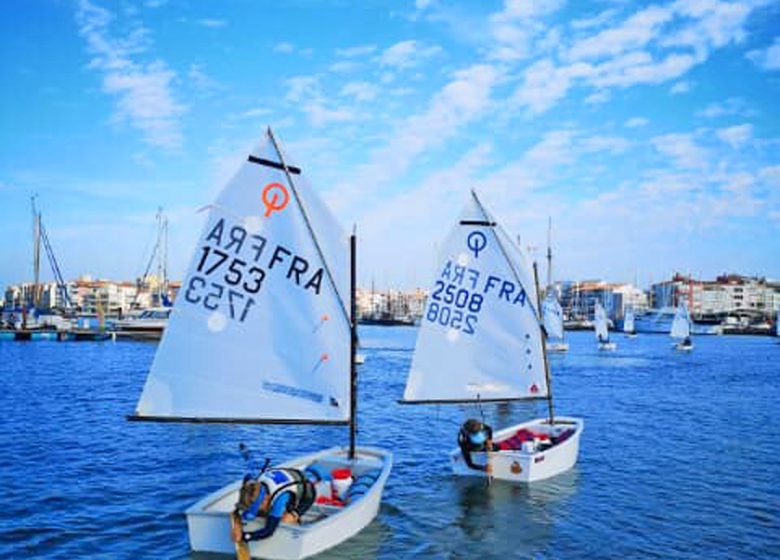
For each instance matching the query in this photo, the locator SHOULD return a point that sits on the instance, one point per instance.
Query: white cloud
(302, 87)
(407, 54)
(768, 59)
(305, 92)
(284, 48)
(211, 23)
(595, 21)
(518, 30)
(635, 32)
(680, 87)
(463, 99)
(544, 84)
(361, 91)
(345, 66)
(144, 91)
(256, 112)
(598, 97)
(731, 106)
(651, 46)
(202, 82)
(600, 143)
(640, 68)
(770, 174)
(735, 136)
(712, 24)
(636, 122)
(356, 51)
(681, 149)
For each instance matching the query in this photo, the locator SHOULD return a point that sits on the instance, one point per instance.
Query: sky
(649, 132)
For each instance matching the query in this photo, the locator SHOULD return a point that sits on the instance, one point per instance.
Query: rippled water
(680, 457)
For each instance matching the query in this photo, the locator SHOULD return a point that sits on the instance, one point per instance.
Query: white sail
(602, 331)
(553, 316)
(480, 336)
(681, 325)
(260, 328)
(628, 322)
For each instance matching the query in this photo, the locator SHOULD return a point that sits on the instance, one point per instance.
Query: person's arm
(467, 456)
(271, 523)
(278, 508)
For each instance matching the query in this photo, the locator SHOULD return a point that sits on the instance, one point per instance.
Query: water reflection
(508, 519)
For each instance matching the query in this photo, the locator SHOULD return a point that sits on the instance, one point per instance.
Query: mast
(353, 339)
(550, 409)
(549, 253)
(36, 252)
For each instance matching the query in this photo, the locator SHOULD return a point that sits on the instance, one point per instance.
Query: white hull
(608, 346)
(630, 335)
(557, 346)
(523, 466)
(682, 347)
(323, 526)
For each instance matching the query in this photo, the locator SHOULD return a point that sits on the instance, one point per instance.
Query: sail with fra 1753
(264, 330)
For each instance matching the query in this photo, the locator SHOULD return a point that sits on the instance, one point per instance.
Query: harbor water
(680, 457)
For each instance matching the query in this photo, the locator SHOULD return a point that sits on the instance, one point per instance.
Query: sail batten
(479, 338)
(257, 333)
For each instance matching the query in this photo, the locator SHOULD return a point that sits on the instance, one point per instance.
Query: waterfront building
(728, 294)
(578, 299)
(390, 305)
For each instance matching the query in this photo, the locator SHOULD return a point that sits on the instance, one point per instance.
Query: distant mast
(549, 253)
(162, 257)
(36, 216)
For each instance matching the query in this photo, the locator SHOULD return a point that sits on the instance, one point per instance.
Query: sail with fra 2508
(260, 328)
(479, 337)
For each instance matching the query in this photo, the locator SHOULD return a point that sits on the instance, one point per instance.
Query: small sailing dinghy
(480, 341)
(601, 328)
(553, 323)
(264, 330)
(681, 328)
(629, 328)
(551, 307)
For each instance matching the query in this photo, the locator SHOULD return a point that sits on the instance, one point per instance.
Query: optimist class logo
(275, 198)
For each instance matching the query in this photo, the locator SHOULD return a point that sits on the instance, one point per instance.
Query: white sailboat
(553, 324)
(777, 323)
(681, 328)
(264, 331)
(601, 329)
(629, 328)
(480, 340)
(551, 307)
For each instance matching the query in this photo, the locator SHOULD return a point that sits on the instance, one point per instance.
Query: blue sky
(649, 132)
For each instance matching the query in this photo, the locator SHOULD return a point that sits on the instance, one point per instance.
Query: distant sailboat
(551, 307)
(628, 323)
(553, 324)
(681, 328)
(777, 323)
(601, 329)
(480, 340)
(264, 330)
